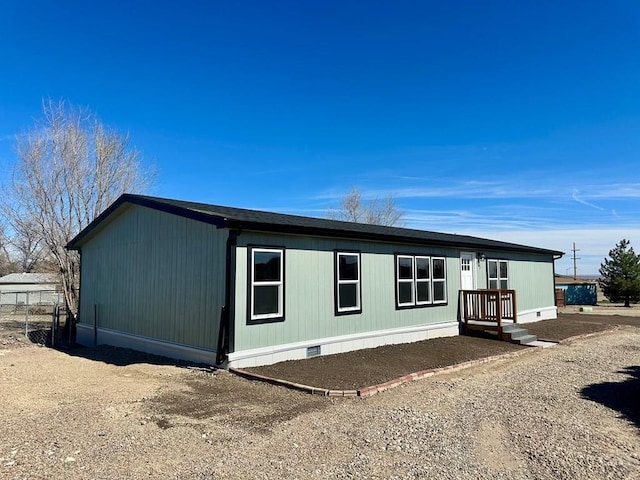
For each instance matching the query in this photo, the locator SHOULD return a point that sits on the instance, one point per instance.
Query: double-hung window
(266, 285)
(498, 274)
(420, 280)
(439, 280)
(348, 292)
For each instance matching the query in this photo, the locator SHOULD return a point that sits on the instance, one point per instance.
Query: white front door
(467, 271)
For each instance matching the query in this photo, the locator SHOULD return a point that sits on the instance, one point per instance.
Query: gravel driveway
(566, 412)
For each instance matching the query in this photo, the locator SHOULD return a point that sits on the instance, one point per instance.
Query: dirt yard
(570, 411)
(363, 368)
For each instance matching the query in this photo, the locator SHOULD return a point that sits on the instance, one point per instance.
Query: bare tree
(6, 262)
(376, 211)
(69, 168)
(27, 244)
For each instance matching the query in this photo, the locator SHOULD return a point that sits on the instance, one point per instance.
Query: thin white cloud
(538, 226)
(530, 208)
(469, 189)
(531, 185)
(575, 196)
(594, 242)
(615, 190)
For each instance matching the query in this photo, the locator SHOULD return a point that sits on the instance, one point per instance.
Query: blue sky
(503, 119)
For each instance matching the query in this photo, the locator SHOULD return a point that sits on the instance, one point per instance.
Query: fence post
(26, 320)
(57, 317)
(53, 326)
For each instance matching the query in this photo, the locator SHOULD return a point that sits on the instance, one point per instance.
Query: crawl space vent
(313, 351)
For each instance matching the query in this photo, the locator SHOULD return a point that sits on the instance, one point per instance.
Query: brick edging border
(372, 390)
(292, 385)
(381, 387)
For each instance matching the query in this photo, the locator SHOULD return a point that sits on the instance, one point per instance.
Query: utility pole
(575, 266)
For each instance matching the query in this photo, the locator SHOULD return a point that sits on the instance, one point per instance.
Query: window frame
(337, 282)
(428, 280)
(415, 281)
(411, 280)
(256, 319)
(499, 278)
(442, 280)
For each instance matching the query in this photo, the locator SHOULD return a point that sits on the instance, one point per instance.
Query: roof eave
(222, 221)
(77, 241)
(335, 233)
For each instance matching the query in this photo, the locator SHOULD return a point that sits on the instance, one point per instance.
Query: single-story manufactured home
(237, 287)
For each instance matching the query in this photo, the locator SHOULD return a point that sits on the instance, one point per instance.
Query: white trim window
(498, 274)
(347, 276)
(267, 284)
(420, 280)
(405, 281)
(423, 280)
(439, 268)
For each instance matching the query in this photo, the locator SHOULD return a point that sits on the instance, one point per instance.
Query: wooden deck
(488, 310)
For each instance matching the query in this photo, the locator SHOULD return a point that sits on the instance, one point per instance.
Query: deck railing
(492, 306)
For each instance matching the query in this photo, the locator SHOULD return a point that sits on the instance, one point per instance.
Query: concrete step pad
(517, 334)
(541, 343)
(511, 327)
(526, 340)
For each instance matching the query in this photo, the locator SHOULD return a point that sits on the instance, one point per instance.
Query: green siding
(157, 275)
(309, 289)
(533, 282)
(531, 276)
(162, 276)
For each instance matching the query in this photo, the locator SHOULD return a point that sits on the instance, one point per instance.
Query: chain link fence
(33, 315)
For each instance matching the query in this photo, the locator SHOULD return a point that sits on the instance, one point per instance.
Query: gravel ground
(570, 411)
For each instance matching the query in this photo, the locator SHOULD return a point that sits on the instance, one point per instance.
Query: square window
(348, 267)
(422, 292)
(439, 292)
(266, 266)
(405, 293)
(266, 299)
(348, 295)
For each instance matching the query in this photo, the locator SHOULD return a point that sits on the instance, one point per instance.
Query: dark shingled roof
(230, 217)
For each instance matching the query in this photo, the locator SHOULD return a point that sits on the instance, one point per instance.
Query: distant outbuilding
(41, 287)
(578, 291)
